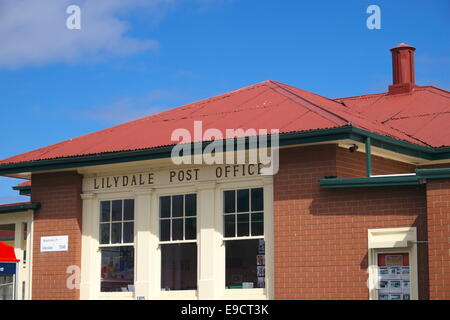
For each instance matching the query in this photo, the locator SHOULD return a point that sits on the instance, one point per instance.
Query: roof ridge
(335, 118)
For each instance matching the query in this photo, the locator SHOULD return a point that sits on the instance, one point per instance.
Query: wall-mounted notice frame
(393, 276)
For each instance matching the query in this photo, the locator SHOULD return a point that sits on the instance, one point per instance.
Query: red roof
(14, 204)
(268, 105)
(423, 114)
(25, 184)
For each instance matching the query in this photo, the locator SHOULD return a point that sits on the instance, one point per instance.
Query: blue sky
(136, 57)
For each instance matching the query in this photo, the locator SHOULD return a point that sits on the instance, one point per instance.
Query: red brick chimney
(402, 69)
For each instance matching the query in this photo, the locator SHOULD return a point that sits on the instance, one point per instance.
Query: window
(117, 245)
(244, 235)
(178, 234)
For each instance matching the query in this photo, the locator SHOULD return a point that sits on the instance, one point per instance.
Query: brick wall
(321, 234)
(438, 212)
(60, 214)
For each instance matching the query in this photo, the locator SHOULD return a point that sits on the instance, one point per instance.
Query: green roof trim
(23, 191)
(410, 180)
(438, 173)
(19, 207)
(286, 139)
(420, 177)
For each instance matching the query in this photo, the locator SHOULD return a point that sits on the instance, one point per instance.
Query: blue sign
(7, 268)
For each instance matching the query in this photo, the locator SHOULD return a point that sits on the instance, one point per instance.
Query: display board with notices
(393, 276)
(261, 264)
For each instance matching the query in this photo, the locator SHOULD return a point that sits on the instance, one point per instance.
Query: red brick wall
(60, 214)
(321, 234)
(353, 164)
(438, 211)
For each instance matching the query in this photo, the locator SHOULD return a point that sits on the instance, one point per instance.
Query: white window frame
(96, 266)
(254, 293)
(168, 242)
(392, 240)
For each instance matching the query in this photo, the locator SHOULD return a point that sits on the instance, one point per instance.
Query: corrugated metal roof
(423, 114)
(266, 105)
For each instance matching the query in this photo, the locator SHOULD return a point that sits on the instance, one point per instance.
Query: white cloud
(34, 32)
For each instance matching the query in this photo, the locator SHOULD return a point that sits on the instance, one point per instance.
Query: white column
(269, 236)
(88, 249)
(208, 242)
(142, 238)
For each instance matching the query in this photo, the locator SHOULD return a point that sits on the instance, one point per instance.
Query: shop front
(150, 236)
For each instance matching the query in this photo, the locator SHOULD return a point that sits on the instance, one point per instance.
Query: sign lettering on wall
(54, 243)
(175, 176)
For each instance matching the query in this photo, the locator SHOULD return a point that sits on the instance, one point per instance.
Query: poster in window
(406, 297)
(383, 273)
(384, 286)
(405, 273)
(260, 271)
(261, 247)
(260, 259)
(405, 287)
(395, 286)
(394, 260)
(395, 297)
(395, 273)
(261, 282)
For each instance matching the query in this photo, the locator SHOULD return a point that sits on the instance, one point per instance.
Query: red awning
(7, 253)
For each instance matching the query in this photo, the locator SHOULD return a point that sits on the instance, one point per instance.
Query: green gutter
(19, 207)
(441, 173)
(286, 139)
(369, 182)
(418, 178)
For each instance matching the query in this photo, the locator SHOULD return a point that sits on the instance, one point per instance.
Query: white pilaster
(142, 239)
(88, 253)
(269, 236)
(208, 242)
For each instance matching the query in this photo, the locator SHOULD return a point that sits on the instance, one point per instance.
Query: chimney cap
(403, 46)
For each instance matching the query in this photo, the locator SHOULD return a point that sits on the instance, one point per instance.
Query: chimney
(402, 69)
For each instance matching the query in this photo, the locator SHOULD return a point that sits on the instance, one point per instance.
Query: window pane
(230, 225)
(190, 228)
(179, 266)
(164, 203)
(128, 209)
(191, 205)
(177, 206)
(243, 200)
(117, 210)
(116, 232)
(257, 199)
(229, 200)
(164, 232)
(245, 264)
(243, 225)
(104, 233)
(117, 269)
(257, 224)
(105, 208)
(177, 229)
(128, 232)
